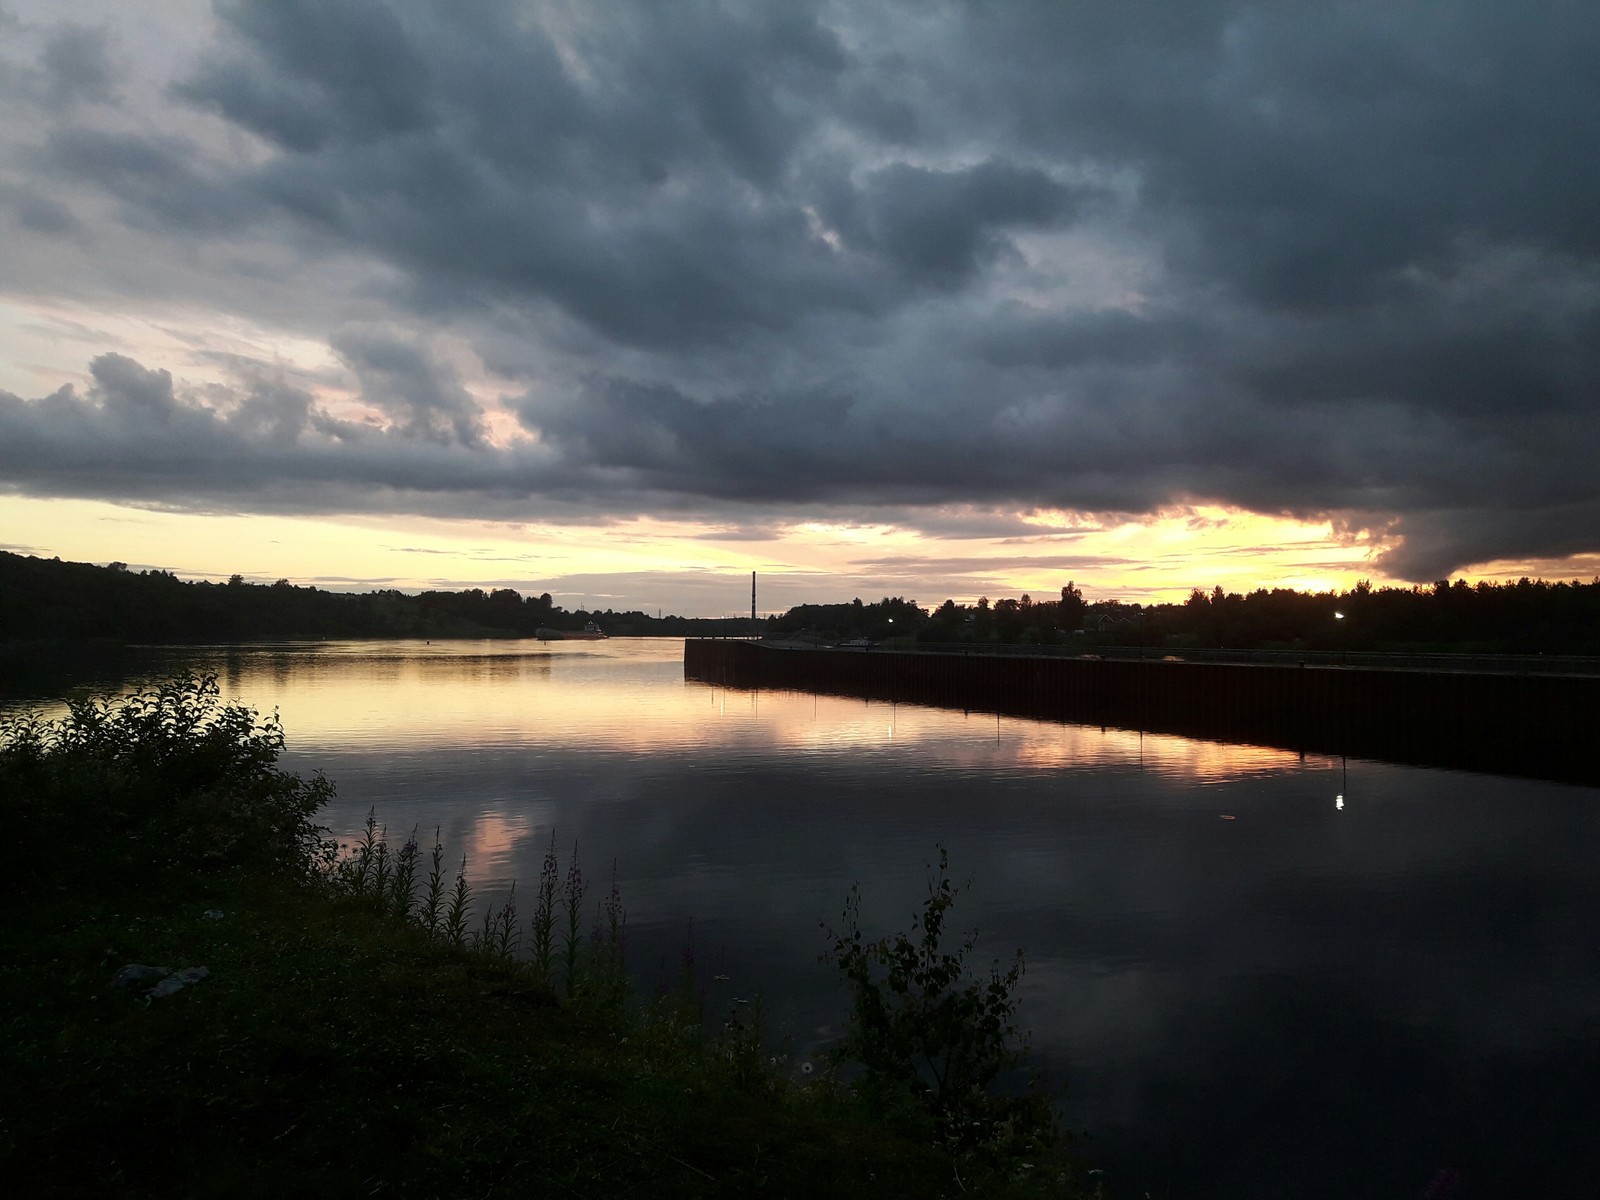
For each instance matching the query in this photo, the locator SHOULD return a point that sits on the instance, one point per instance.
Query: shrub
(932, 1041)
(162, 781)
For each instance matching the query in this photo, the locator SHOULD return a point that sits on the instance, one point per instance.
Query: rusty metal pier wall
(1546, 726)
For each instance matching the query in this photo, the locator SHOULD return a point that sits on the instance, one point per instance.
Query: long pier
(1540, 725)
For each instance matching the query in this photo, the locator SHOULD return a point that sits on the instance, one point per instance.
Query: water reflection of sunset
(1167, 754)
(493, 838)
(610, 697)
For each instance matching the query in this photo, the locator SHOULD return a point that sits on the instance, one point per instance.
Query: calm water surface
(1371, 973)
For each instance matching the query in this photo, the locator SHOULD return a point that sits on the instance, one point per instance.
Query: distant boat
(589, 633)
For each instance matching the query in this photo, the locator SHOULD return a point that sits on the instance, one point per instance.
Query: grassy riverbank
(334, 1049)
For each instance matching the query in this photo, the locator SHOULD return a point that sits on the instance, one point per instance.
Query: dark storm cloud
(320, 74)
(1317, 155)
(77, 67)
(74, 66)
(1333, 262)
(457, 142)
(40, 214)
(1019, 446)
(260, 444)
(160, 180)
(942, 226)
(675, 443)
(405, 381)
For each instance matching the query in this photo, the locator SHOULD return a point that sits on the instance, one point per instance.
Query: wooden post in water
(755, 630)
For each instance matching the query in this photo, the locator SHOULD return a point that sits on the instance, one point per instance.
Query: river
(1258, 974)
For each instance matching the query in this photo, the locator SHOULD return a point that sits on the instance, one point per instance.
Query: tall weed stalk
(402, 894)
(506, 935)
(573, 891)
(432, 911)
(544, 913)
(355, 872)
(371, 868)
(609, 979)
(459, 911)
(382, 868)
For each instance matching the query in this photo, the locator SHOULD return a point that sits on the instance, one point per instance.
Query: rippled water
(1260, 975)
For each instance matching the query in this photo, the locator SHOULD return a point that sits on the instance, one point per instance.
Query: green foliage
(607, 974)
(1525, 617)
(403, 886)
(502, 937)
(460, 908)
(544, 913)
(387, 880)
(340, 1050)
(933, 1041)
(432, 912)
(347, 1037)
(744, 1045)
(893, 616)
(572, 893)
(343, 1039)
(172, 780)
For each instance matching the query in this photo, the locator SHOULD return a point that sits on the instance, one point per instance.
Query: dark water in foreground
(1371, 973)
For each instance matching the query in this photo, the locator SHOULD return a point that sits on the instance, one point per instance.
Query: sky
(624, 301)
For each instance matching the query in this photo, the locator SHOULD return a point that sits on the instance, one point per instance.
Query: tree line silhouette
(50, 600)
(1524, 617)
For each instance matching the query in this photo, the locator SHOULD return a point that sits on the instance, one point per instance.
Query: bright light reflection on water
(1252, 992)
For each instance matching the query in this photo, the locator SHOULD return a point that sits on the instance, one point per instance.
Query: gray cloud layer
(1332, 261)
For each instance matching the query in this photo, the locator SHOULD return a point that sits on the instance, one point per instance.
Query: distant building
(1112, 617)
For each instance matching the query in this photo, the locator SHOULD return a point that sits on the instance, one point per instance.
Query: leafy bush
(163, 781)
(933, 1041)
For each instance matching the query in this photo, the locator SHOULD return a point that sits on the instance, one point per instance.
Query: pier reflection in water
(1369, 973)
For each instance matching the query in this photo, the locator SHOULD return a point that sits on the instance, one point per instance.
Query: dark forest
(49, 600)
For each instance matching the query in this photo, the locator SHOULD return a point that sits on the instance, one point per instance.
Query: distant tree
(1069, 613)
